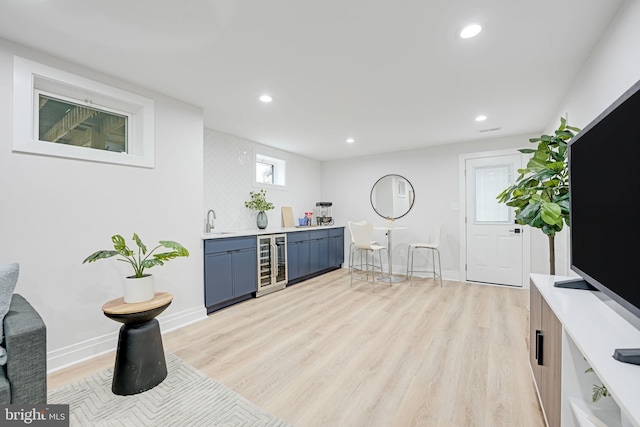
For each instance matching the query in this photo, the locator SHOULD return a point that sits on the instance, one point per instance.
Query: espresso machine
(323, 213)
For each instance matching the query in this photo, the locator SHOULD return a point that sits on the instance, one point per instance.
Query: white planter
(138, 289)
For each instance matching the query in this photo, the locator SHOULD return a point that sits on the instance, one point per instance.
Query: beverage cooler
(272, 263)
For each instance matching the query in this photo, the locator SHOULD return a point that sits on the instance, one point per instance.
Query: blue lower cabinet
(319, 254)
(230, 271)
(218, 273)
(314, 252)
(231, 264)
(245, 272)
(299, 262)
(336, 247)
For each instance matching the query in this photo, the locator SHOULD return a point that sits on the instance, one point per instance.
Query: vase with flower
(258, 202)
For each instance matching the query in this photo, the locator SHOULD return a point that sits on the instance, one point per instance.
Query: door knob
(515, 230)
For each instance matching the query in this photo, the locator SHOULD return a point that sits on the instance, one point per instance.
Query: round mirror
(392, 196)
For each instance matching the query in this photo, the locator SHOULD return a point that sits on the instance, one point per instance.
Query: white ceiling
(390, 73)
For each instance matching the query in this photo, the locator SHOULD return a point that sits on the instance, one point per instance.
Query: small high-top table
(140, 364)
(390, 278)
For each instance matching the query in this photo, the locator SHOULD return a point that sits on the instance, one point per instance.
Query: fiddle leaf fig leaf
(528, 150)
(551, 213)
(563, 123)
(540, 194)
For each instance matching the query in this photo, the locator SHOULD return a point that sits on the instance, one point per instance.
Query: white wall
(229, 176)
(434, 174)
(612, 68)
(56, 211)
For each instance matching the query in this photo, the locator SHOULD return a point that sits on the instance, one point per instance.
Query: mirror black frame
(412, 192)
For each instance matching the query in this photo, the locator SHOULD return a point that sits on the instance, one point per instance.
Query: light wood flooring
(320, 353)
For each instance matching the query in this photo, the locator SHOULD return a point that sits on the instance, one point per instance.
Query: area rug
(186, 397)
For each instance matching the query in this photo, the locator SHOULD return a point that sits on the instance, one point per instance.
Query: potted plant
(258, 202)
(139, 286)
(540, 195)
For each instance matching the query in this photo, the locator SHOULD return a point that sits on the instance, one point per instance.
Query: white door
(494, 243)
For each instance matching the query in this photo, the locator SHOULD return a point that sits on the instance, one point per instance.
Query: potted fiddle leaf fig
(139, 286)
(540, 195)
(258, 202)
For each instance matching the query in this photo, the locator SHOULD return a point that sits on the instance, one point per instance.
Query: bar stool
(373, 242)
(362, 234)
(433, 247)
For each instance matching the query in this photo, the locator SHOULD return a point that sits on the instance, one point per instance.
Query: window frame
(279, 171)
(262, 162)
(32, 78)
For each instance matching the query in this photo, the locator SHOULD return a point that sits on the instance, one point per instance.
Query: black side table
(140, 364)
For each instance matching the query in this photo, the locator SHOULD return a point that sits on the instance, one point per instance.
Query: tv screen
(604, 182)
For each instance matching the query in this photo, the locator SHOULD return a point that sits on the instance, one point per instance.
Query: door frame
(526, 234)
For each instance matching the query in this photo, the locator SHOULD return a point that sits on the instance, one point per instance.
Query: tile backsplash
(229, 177)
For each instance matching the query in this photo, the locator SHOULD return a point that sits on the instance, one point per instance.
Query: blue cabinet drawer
(229, 244)
(318, 234)
(297, 236)
(333, 232)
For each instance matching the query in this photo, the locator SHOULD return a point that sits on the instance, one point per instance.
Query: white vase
(138, 289)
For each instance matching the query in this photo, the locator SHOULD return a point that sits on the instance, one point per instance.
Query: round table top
(118, 306)
(389, 228)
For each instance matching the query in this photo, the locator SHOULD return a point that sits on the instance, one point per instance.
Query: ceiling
(392, 74)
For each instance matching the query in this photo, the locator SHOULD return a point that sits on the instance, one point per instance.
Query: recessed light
(350, 140)
(481, 118)
(266, 98)
(470, 31)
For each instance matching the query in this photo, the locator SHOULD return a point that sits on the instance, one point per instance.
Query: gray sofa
(23, 380)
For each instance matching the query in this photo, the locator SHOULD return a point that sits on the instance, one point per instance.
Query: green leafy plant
(599, 391)
(258, 201)
(540, 194)
(142, 258)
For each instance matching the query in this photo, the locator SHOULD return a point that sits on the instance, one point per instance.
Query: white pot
(138, 289)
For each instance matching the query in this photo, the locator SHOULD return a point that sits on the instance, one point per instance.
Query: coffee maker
(323, 213)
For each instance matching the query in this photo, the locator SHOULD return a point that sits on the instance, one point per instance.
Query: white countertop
(223, 234)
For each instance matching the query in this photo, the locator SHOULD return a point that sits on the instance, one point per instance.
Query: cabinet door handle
(274, 263)
(539, 341)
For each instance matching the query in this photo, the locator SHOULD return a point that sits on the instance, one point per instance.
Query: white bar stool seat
(433, 248)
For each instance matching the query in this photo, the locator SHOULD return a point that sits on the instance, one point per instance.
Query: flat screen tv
(604, 183)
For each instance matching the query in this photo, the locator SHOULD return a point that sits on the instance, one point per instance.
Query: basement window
(60, 114)
(70, 123)
(270, 171)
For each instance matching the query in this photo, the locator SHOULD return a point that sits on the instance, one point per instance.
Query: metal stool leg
(439, 267)
(410, 256)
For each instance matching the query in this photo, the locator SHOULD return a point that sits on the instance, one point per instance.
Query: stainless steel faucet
(210, 225)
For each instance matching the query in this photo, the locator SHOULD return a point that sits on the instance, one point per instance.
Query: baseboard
(401, 270)
(85, 350)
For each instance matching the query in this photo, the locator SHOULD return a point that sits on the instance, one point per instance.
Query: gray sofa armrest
(25, 339)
